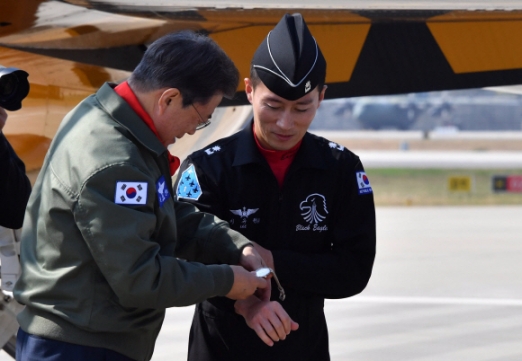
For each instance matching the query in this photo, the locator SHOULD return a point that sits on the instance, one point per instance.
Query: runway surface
(452, 150)
(446, 286)
(440, 159)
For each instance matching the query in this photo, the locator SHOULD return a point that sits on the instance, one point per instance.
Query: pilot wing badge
(131, 193)
(188, 186)
(363, 183)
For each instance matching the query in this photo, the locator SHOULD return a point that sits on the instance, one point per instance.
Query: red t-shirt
(278, 160)
(124, 91)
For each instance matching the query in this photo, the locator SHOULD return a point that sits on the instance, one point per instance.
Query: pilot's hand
(245, 283)
(266, 254)
(3, 118)
(252, 261)
(267, 318)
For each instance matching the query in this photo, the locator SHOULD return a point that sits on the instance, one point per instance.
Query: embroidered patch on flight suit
(213, 150)
(335, 146)
(162, 191)
(131, 193)
(188, 186)
(244, 214)
(314, 212)
(314, 208)
(363, 183)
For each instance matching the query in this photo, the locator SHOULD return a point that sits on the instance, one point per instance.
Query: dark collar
(310, 154)
(313, 153)
(246, 151)
(122, 113)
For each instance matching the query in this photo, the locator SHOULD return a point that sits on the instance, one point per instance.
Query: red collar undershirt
(124, 91)
(278, 160)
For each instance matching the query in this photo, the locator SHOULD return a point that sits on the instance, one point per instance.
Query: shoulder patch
(130, 193)
(188, 186)
(212, 150)
(363, 183)
(335, 146)
(162, 191)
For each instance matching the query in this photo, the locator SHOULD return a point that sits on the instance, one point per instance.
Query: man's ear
(168, 98)
(321, 94)
(249, 89)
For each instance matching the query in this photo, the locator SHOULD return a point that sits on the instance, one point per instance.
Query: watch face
(263, 272)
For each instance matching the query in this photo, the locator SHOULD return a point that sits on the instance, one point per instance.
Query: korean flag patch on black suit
(363, 183)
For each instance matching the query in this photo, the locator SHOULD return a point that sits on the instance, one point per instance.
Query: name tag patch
(131, 193)
(363, 183)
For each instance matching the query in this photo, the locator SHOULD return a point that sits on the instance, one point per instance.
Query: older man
(103, 237)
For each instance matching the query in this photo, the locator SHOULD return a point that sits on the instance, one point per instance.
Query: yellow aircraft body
(70, 48)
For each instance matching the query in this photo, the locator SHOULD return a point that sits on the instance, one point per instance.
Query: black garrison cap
(289, 61)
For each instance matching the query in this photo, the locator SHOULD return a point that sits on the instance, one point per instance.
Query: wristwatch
(264, 273)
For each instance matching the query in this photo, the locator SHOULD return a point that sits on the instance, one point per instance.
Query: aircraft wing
(373, 47)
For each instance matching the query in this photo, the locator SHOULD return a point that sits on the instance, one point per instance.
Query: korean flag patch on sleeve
(188, 186)
(131, 193)
(363, 183)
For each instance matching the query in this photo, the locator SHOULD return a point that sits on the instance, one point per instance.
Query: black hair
(190, 62)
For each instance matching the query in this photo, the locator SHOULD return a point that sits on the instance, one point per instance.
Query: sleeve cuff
(223, 278)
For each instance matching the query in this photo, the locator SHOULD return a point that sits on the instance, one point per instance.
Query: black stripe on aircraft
(403, 57)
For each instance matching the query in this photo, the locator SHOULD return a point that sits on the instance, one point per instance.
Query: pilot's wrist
(241, 307)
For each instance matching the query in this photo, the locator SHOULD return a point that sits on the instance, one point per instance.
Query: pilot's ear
(249, 89)
(321, 93)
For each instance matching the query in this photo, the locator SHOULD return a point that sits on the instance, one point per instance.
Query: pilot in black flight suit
(305, 201)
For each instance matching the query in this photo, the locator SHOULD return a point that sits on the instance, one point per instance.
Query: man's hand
(245, 283)
(3, 118)
(267, 318)
(265, 254)
(251, 259)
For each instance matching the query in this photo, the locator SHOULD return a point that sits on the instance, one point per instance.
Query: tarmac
(440, 159)
(446, 286)
(444, 150)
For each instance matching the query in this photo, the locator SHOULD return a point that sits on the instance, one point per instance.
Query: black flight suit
(320, 228)
(15, 187)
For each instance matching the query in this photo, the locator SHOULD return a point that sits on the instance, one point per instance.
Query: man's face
(174, 121)
(280, 123)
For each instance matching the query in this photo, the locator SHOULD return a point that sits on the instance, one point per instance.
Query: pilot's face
(280, 123)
